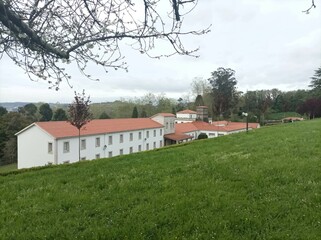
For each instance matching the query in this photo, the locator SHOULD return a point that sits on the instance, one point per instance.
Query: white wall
(105, 148)
(33, 148)
(186, 115)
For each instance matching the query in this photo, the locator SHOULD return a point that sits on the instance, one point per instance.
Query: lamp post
(247, 120)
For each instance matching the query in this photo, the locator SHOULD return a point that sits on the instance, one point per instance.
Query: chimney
(202, 113)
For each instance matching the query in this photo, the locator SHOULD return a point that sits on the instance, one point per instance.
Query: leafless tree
(79, 112)
(42, 36)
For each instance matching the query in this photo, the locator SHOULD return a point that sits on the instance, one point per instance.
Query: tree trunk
(79, 144)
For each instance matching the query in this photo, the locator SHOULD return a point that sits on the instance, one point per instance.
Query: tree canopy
(224, 91)
(43, 36)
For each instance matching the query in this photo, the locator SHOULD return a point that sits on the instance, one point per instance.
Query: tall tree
(224, 91)
(79, 113)
(135, 113)
(45, 112)
(316, 83)
(60, 115)
(43, 36)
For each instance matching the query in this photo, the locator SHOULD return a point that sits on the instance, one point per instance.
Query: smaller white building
(185, 116)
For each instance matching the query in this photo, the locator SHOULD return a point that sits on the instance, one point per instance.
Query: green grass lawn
(8, 168)
(265, 184)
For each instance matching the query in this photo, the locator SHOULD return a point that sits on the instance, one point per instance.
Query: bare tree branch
(43, 36)
(312, 6)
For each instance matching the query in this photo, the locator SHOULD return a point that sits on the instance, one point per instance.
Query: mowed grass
(8, 168)
(265, 184)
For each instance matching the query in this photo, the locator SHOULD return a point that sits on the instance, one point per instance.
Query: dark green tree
(202, 136)
(224, 91)
(3, 111)
(30, 109)
(60, 115)
(135, 113)
(104, 115)
(45, 112)
(316, 83)
(79, 113)
(199, 101)
(10, 124)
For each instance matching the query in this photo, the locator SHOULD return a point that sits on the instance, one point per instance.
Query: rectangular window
(121, 152)
(66, 147)
(154, 133)
(97, 156)
(160, 143)
(131, 150)
(131, 137)
(83, 144)
(154, 145)
(147, 146)
(140, 135)
(160, 132)
(139, 148)
(121, 138)
(147, 134)
(166, 125)
(50, 147)
(110, 140)
(110, 154)
(83, 159)
(97, 142)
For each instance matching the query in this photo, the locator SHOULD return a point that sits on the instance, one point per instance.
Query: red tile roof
(163, 115)
(177, 136)
(187, 111)
(198, 126)
(61, 129)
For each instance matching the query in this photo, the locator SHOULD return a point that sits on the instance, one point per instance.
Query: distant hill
(13, 106)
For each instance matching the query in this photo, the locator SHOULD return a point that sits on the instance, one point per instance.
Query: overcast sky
(269, 43)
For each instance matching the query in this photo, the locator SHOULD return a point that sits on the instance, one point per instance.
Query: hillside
(265, 184)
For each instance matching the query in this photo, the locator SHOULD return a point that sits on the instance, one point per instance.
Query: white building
(185, 116)
(45, 143)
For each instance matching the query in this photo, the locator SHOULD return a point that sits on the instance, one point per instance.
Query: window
(121, 152)
(154, 133)
(97, 143)
(131, 150)
(50, 147)
(131, 137)
(83, 144)
(66, 147)
(166, 125)
(154, 145)
(97, 156)
(160, 143)
(147, 134)
(140, 135)
(139, 148)
(110, 154)
(110, 140)
(83, 159)
(160, 132)
(147, 146)
(121, 138)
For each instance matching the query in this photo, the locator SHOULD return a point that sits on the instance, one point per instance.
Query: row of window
(66, 146)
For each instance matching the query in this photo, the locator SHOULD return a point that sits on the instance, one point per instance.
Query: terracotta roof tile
(61, 129)
(187, 111)
(177, 136)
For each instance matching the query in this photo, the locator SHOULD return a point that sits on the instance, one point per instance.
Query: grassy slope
(262, 185)
(8, 168)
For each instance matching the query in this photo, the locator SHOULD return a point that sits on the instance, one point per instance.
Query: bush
(202, 136)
